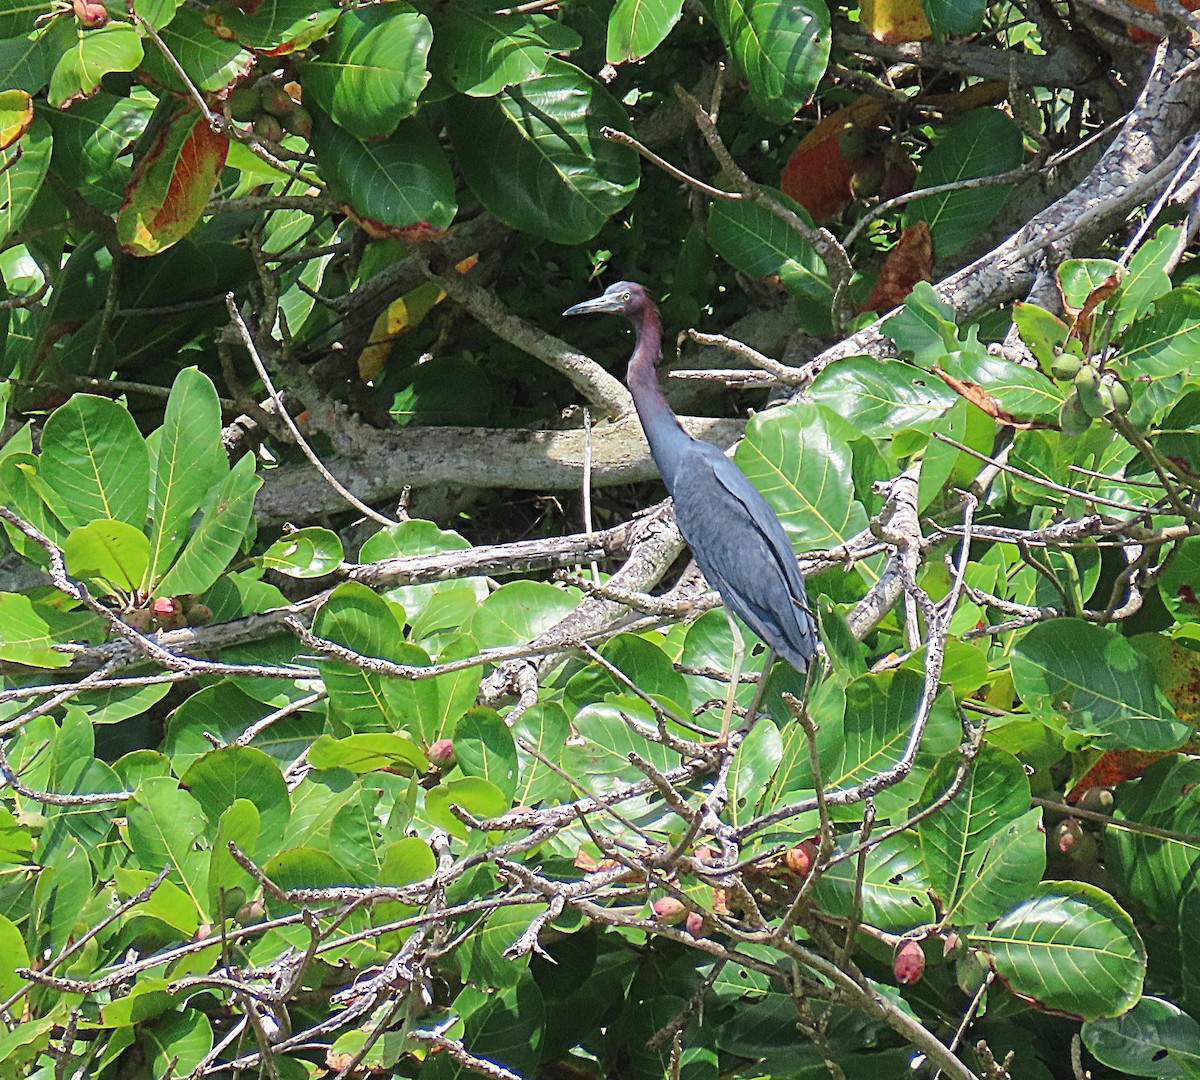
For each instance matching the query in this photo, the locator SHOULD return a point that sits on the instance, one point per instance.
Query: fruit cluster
(271, 110)
(1095, 393)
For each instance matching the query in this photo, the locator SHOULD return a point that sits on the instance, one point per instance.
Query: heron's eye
(625, 297)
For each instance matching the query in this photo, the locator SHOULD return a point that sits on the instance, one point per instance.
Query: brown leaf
(1081, 324)
(910, 261)
(980, 398)
(895, 21)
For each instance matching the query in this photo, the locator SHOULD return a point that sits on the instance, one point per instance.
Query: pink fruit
(669, 910)
(909, 964)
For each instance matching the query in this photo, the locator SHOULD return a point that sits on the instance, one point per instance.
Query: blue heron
(736, 538)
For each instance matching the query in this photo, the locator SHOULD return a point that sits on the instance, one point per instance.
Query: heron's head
(626, 298)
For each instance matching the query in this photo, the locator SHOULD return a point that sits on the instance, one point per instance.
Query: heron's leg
(759, 690)
(735, 675)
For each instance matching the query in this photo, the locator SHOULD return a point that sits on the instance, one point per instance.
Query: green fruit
(1072, 418)
(298, 121)
(852, 143)
(245, 103)
(1099, 402)
(1087, 378)
(1066, 366)
(1120, 396)
(268, 128)
(276, 100)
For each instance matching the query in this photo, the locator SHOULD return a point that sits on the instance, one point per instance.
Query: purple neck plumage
(658, 421)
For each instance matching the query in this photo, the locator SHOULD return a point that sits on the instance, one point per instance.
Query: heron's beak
(602, 304)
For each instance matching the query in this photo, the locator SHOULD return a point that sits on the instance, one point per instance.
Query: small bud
(203, 931)
(251, 912)
(276, 100)
(441, 753)
(669, 911)
(800, 859)
(139, 619)
(909, 964)
(245, 103)
(90, 14)
(1067, 834)
(1099, 800)
(168, 612)
(719, 904)
(696, 924)
(268, 128)
(298, 120)
(198, 614)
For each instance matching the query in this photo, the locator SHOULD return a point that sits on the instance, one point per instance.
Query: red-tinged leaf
(272, 27)
(1113, 767)
(1136, 33)
(895, 21)
(818, 175)
(171, 184)
(910, 261)
(981, 399)
(16, 114)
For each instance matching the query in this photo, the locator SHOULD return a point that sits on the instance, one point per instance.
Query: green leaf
(474, 794)
(483, 959)
(637, 27)
(994, 793)
(760, 243)
(26, 634)
(895, 890)
(302, 868)
(305, 553)
(1094, 680)
(881, 397)
(1001, 871)
(484, 746)
(924, 326)
(1079, 278)
(544, 727)
(190, 461)
(519, 611)
(276, 27)
(12, 946)
(797, 459)
(1165, 341)
(354, 616)
(984, 142)
(1147, 279)
(391, 183)
(782, 48)
(373, 751)
(219, 537)
(95, 53)
(176, 1043)
(22, 169)
(534, 155)
(1179, 585)
(164, 823)
(480, 53)
(1042, 332)
(109, 550)
(757, 759)
(1155, 1038)
(954, 17)
(370, 73)
(599, 757)
(94, 463)
(1069, 947)
(1021, 391)
(239, 824)
(211, 62)
(221, 777)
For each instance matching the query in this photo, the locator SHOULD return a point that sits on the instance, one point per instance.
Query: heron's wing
(744, 552)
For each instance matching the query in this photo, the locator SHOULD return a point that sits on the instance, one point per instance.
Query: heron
(735, 537)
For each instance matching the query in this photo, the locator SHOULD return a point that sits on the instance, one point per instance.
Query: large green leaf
(637, 27)
(112, 551)
(518, 611)
(89, 139)
(1147, 279)
(484, 746)
(164, 824)
(95, 53)
(94, 463)
(380, 750)
(760, 243)
(1094, 680)
(190, 460)
(984, 142)
(219, 536)
(781, 46)
(1155, 1038)
(1165, 341)
(480, 53)
(881, 397)
(222, 776)
(369, 74)
(211, 62)
(274, 26)
(534, 155)
(1001, 871)
(957, 17)
(994, 793)
(22, 169)
(1069, 947)
(796, 458)
(1023, 392)
(895, 887)
(389, 183)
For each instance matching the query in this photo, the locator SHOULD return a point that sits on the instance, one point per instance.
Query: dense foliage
(300, 780)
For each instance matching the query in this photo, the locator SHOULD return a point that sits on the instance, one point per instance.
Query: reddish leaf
(1113, 767)
(1081, 324)
(171, 184)
(821, 169)
(1138, 34)
(910, 261)
(979, 397)
(895, 21)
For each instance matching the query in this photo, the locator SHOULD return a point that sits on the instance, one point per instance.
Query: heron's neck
(662, 428)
